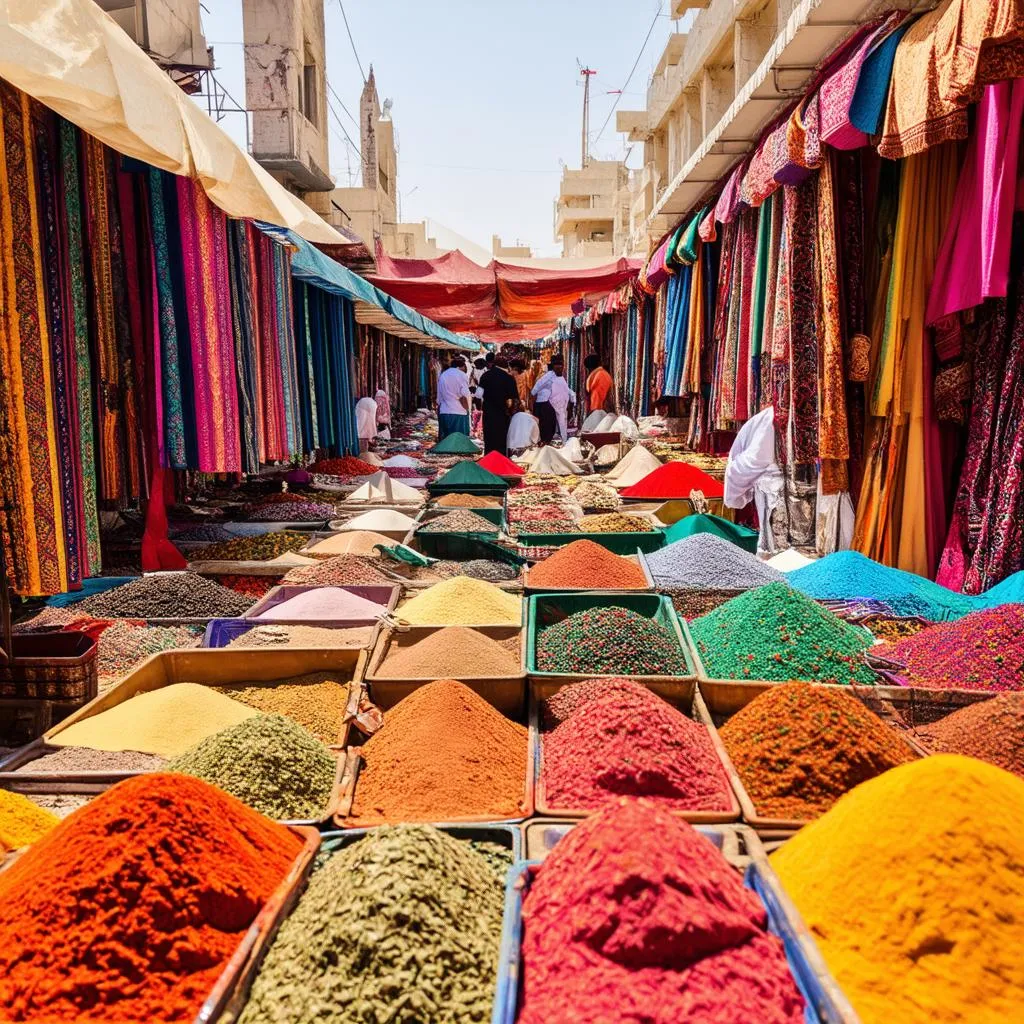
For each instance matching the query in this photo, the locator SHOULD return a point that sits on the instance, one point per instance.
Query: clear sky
(486, 97)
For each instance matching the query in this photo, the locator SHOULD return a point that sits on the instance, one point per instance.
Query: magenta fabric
(836, 95)
(728, 204)
(974, 260)
(657, 272)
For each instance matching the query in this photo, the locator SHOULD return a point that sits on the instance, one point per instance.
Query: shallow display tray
(565, 603)
(220, 632)
(223, 668)
(387, 597)
(506, 693)
(618, 543)
(825, 1001)
(693, 708)
(636, 559)
(224, 567)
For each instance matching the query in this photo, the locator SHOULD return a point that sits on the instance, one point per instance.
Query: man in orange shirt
(599, 385)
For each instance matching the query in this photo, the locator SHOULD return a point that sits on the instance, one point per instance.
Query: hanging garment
(869, 97)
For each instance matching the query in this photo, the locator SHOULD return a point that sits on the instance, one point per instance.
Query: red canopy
(499, 302)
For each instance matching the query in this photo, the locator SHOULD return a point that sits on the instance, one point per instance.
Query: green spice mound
(401, 927)
(270, 763)
(610, 641)
(777, 633)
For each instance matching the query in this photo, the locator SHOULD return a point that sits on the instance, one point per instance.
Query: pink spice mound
(630, 742)
(634, 916)
(981, 651)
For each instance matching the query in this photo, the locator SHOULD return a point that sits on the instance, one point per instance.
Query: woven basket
(51, 666)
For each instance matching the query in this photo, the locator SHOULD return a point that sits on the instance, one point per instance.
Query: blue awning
(373, 306)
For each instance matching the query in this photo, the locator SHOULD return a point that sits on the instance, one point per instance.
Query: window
(308, 88)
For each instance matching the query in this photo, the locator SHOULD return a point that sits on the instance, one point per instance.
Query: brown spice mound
(569, 699)
(798, 748)
(341, 571)
(991, 730)
(585, 563)
(467, 501)
(316, 701)
(450, 652)
(443, 753)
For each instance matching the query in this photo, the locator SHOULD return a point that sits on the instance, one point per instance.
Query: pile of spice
(713, 526)
(637, 464)
(915, 899)
(890, 628)
(347, 465)
(131, 909)
(403, 925)
(456, 444)
(468, 475)
(72, 760)
(165, 722)
(500, 465)
(674, 480)
(178, 595)
(798, 748)
(261, 548)
(324, 604)
(788, 560)
(452, 652)
(296, 512)
(636, 916)
(776, 633)
(304, 636)
(442, 754)
(706, 562)
(462, 520)
(122, 645)
(381, 520)
(467, 501)
(356, 542)
(205, 532)
(316, 701)
(60, 804)
(478, 568)
(544, 519)
(981, 651)
(630, 742)
(584, 564)
(991, 730)
(569, 699)
(462, 601)
(848, 574)
(270, 763)
(590, 494)
(280, 498)
(406, 472)
(611, 641)
(254, 587)
(341, 571)
(21, 823)
(614, 522)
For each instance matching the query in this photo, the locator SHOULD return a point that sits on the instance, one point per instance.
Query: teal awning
(373, 306)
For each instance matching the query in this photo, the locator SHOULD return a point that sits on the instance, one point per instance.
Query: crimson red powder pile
(674, 480)
(634, 916)
(630, 742)
(500, 465)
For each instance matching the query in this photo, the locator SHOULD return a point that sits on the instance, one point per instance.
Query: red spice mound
(991, 730)
(981, 651)
(131, 907)
(584, 563)
(500, 465)
(348, 465)
(443, 753)
(634, 916)
(633, 743)
(674, 480)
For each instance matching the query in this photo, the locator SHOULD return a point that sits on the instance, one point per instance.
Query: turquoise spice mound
(849, 574)
(777, 633)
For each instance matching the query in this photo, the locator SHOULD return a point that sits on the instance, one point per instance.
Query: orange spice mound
(130, 909)
(443, 753)
(585, 563)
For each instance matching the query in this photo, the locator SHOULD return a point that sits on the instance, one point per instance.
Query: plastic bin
(221, 632)
(620, 543)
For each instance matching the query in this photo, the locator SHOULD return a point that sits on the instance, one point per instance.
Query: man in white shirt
(752, 474)
(453, 400)
(542, 393)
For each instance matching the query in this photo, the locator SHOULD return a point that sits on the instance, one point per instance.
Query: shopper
(366, 422)
(600, 393)
(541, 392)
(453, 400)
(500, 396)
(562, 399)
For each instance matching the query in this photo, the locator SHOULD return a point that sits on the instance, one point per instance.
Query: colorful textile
(244, 304)
(974, 262)
(869, 97)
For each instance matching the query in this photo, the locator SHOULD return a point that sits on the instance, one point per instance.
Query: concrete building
(170, 31)
(499, 251)
(286, 91)
(717, 86)
(588, 207)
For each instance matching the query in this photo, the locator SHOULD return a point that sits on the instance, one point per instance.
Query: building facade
(588, 206)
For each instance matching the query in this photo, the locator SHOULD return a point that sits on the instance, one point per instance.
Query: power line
(629, 78)
(342, 104)
(344, 17)
(341, 125)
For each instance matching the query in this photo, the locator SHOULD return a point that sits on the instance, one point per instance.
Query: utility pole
(586, 73)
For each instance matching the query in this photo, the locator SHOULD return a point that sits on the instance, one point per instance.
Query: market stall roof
(373, 306)
(71, 56)
(499, 302)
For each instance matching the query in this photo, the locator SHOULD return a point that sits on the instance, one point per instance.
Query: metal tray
(382, 595)
(506, 693)
(693, 707)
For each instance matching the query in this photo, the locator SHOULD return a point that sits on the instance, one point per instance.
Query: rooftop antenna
(586, 73)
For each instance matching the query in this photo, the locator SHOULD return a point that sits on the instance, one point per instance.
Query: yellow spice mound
(165, 722)
(462, 601)
(21, 821)
(356, 542)
(913, 885)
